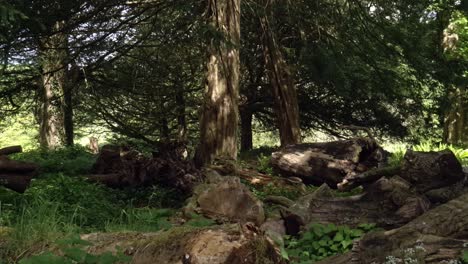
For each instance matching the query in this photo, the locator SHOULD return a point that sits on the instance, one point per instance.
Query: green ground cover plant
(321, 241)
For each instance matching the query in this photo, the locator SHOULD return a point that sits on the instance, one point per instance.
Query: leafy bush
(69, 161)
(72, 251)
(321, 241)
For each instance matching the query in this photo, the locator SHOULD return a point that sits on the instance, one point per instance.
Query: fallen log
(15, 175)
(390, 201)
(11, 150)
(7, 165)
(16, 182)
(121, 167)
(330, 162)
(439, 235)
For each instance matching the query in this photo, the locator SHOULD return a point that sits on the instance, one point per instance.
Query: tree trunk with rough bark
(55, 117)
(282, 84)
(219, 118)
(456, 118)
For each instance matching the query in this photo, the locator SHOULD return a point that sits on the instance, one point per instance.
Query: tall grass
(398, 151)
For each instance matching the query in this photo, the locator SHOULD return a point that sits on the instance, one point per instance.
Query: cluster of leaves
(465, 256)
(72, 251)
(321, 241)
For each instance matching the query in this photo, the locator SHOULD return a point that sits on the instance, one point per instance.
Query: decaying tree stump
(330, 162)
(15, 175)
(121, 167)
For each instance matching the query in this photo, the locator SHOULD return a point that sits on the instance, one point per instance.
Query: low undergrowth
(321, 241)
(61, 203)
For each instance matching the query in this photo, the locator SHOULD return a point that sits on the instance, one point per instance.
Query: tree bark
(438, 236)
(219, 118)
(246, 130)
(456, 119)
(11, 150)
(181, 117)
(282, 84)
(55, 96)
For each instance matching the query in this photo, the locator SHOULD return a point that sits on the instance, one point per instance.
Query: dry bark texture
(440, 234)
(219, 118)
(15, 175)
(53, 52)
(281, 81)
(330, 162)
(423, 181)
(120, 167)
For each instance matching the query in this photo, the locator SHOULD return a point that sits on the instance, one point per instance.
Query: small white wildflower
(410, 251)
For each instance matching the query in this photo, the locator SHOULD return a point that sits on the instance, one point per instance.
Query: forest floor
(61, 212)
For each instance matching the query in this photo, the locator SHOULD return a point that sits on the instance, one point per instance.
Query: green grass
(61, 203)
(398, 151)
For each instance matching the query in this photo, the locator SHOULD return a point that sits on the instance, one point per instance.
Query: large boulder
(231, 200)
(226, 199)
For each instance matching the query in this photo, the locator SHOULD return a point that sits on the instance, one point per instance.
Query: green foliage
(72, 252)
(264, 164)
(154, 196)
(84, 203)
(69, 161)
(399, 152)
(321, 241)
(199, 221)
(142, 220)
(465, 257)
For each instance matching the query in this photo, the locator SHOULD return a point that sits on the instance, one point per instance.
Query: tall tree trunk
(246, 129)
(219, 118)
(456, 118)
(181, 117)
(67, 108)
(53, 52)
(282, 84)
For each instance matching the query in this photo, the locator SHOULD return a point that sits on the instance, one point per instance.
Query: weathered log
(7, 165)
(11, 150)
(330, 162)
(16, 182)
(352, 181)
(389, 203)
(439, 235)
(426, 171)
(122, 167)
